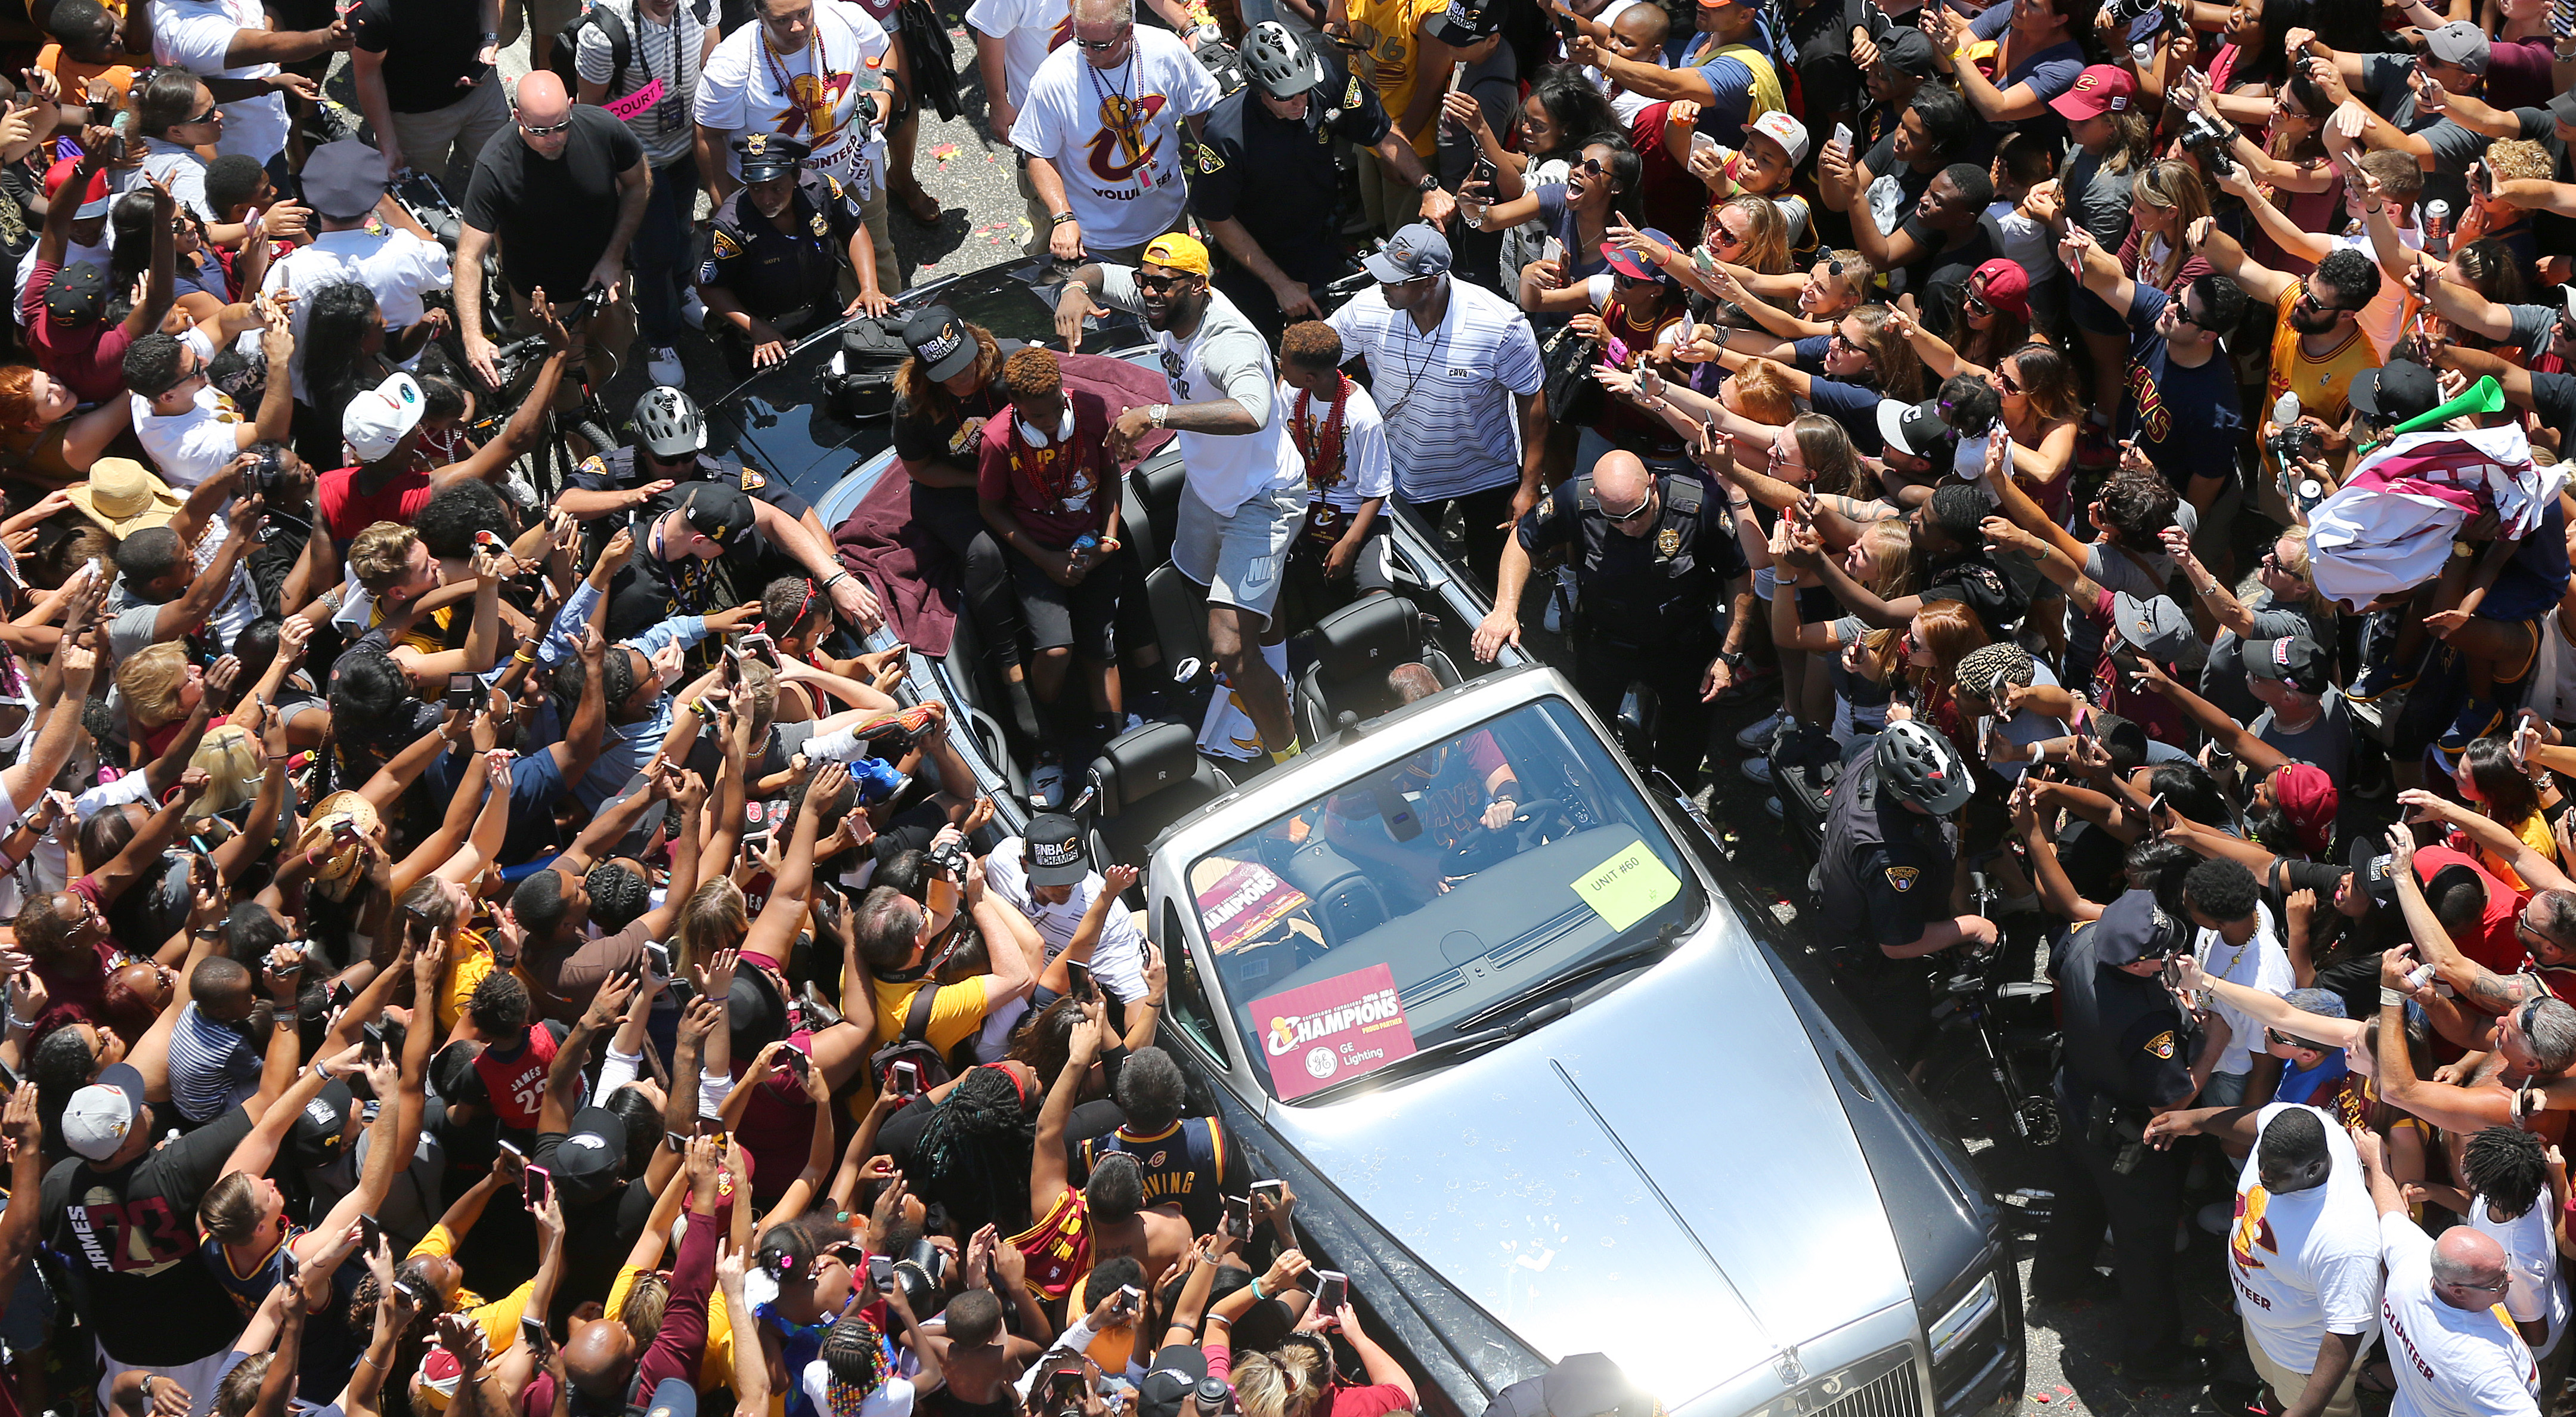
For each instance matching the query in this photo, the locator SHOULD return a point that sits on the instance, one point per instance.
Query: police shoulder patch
(1351, 95)
(594, 467)
(725, 246)
(753, 479)
(1210, 160)
(1903, 877)
(2162, 1045)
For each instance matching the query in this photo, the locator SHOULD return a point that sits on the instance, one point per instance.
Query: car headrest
(1137, 764)
(1367, 637)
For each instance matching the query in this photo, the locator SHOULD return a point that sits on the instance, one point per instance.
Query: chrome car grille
(1899, 1393)
(1888, 1383)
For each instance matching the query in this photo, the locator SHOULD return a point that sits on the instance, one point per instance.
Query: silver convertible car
(1547, 1078)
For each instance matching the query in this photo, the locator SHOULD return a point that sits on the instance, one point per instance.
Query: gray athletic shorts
(1239, 557)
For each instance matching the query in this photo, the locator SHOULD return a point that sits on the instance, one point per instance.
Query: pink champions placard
(1321, 1034)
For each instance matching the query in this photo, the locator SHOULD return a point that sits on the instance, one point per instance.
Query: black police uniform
(650, 590)
(1883, 875)
(1646, 603)
(1277, 177)
(789, 277)
(2128, 1049)
(616, 471)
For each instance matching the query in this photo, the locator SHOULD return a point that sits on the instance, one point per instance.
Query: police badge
(1668, 543)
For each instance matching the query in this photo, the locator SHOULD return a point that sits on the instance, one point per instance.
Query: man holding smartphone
(1047, 876)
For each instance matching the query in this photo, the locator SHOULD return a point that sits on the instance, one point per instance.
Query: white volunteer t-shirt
(2306, 1263)
(749, 88)
(1224, 358)
(1117, 961)
(1115, 135)
(196, 35)
(2260, 963)
(1367, 469)
(1026, 28)
(2449, 1362)
(2539, 1293)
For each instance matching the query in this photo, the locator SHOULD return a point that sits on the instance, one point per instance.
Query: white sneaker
(693, 310)
(663, 363)
(520, 489)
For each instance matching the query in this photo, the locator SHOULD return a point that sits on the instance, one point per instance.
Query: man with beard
(1245, 496)
(2318, 346)
(773, 254)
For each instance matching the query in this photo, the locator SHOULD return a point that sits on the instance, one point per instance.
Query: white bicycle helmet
(667, 423)
(1279, 65)
(1921, 766)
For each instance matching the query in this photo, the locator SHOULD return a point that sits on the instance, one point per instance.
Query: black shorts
(1083, 616)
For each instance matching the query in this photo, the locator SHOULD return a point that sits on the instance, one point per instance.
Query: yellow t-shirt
(2321, 384)
(1391, 32)
(955, 1015)
(499, 1317)
(715, 1370)
(2535, 833)
(469, 962)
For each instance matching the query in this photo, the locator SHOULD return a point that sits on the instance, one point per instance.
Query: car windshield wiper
(1665, 938)
(1464, 1043)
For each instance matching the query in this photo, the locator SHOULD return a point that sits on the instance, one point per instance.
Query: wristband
(1256, 1288)
(1060, 219)
(2390, 998)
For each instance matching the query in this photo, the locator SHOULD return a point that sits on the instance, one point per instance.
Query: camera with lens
(2210, 140)
(263, 475)
(2292, 441)
(951, 857)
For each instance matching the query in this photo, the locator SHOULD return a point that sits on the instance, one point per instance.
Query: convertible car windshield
(1420, 902)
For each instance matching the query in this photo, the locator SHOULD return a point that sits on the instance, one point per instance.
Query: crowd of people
(2123, 438)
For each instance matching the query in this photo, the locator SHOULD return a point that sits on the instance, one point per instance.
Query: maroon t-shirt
(89, 359)
(1059, 491)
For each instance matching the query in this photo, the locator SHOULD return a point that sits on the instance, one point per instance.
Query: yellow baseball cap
(1179, 251)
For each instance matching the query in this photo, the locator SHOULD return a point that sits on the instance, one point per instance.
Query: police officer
(1651, 556)
(670, 449)
(1887, 875)
(2128, 1050)
(774, 254)
(1265, 164)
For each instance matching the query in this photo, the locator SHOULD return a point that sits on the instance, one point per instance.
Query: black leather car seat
(1147, 778)
(1355, 647)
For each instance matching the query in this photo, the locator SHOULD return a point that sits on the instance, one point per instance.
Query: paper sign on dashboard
(1626, 888)
(1320, 1034)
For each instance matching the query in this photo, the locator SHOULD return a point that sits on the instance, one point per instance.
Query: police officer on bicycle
(1651, 556)
(2128, 1050)
(1887, 875)
(775, 252)
(669, 451)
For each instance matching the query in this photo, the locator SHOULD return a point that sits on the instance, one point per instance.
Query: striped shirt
(1446, 396)
(212, 1068)
(668, 53)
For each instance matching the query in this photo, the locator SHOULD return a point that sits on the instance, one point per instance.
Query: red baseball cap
(93, 201)
(2005, 285)
(2100, 89)
(2308, 797)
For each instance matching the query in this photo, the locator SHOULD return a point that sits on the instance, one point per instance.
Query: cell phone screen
(1332, 1290)
(539, 1183)
(460, 690)
(1238, 1217)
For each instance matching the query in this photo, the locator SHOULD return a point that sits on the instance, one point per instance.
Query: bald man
(1651, 555)
(563, 192)
(2450, 1342)
(600, 1355)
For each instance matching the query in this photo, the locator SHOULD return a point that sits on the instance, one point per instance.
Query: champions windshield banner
(1320, 1034)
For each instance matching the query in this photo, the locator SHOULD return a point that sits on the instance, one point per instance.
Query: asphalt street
(969, 172)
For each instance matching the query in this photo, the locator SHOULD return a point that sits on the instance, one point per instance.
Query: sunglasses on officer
(1644, 504)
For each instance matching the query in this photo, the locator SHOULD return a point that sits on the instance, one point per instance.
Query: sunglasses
(2308, 299)
(1100, 46)
(209, 116)
(1843, 341)
(1157, 284)
(2005, 381)
(1639, 510)
(1724, 237)
(547, 131)
(1590, 167)
(1975, 304)
(2288, 1041)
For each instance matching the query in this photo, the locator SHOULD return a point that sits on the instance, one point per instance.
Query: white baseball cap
(1788, 132)
(377, 420)
(101, 1115)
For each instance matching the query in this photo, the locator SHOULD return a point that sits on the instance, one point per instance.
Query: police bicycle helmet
(1282, 67)
(668, 424)
(1919, 765)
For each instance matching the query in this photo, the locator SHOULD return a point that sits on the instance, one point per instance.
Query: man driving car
(1412, 816)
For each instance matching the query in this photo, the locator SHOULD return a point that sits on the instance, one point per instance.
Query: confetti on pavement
(944, 152)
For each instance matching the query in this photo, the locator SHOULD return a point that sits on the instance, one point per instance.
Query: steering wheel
(1533, 823)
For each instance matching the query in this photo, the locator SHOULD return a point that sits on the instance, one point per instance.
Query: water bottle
(2437, 228)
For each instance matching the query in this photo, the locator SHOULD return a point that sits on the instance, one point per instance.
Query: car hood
(1666, 1176)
